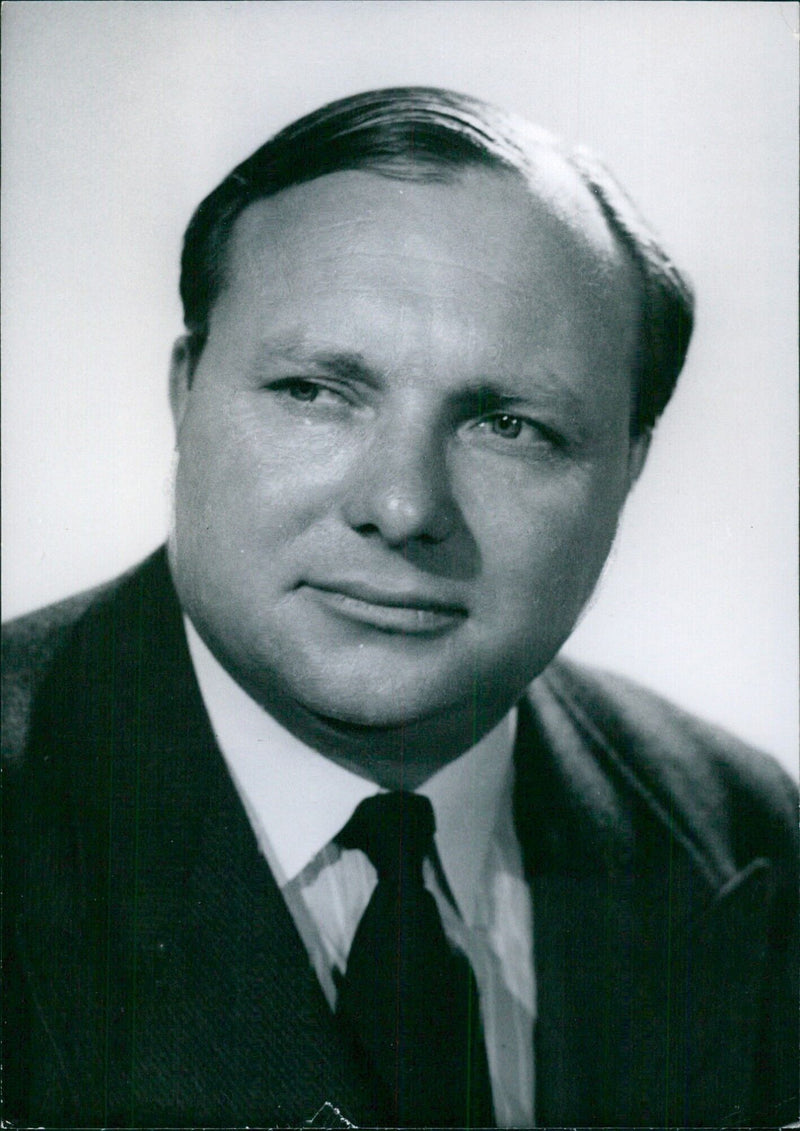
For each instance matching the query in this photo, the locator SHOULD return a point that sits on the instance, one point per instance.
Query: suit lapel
(639, 942)
(206, 1005)
(248, 1014)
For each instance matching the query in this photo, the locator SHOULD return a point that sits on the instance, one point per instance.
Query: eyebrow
(345, 364)
(499, 395)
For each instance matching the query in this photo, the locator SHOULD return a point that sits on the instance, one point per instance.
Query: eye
(308, 390)
(507, 426)
(517, 434)
(302, 390)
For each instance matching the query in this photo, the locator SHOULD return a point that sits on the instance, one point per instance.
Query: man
(425, 351)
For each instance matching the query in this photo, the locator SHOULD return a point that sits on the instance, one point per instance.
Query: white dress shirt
(297, 801)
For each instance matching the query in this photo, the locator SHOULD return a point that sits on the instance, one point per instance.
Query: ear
(180, 380)
(637, 455)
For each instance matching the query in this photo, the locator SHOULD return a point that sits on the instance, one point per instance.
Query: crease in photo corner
(329, 1116)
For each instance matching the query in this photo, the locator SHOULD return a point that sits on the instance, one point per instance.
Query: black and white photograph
(400, 570)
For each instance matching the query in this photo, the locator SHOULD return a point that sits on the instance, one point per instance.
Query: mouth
(389, 611)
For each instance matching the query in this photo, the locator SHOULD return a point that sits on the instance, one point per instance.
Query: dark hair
(421, 133)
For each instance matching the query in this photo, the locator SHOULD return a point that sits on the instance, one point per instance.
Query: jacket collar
(643, 925)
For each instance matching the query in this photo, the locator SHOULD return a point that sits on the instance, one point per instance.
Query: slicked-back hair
(427, 134)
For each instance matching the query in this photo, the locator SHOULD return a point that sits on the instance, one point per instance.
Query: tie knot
(395, 830)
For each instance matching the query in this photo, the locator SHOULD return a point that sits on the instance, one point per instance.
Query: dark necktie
(408, 997)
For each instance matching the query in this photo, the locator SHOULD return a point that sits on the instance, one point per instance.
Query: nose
(399, 487)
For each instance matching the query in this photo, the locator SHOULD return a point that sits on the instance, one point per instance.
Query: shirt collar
(298, 800)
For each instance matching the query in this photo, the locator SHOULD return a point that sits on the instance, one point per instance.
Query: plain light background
(119, 117)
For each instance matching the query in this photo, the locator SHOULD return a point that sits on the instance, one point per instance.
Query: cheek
(243, 479)
(543, 549)
(218, 494)
(209, 483)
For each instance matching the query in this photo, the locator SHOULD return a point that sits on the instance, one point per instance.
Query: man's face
(404, 449)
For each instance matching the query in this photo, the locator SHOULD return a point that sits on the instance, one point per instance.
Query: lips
(407, 612)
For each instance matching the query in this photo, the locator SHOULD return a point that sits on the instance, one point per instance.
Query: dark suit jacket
(155, 977)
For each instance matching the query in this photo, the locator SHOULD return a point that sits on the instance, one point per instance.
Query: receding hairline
(551, 185)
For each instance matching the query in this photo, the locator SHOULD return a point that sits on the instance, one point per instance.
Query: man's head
(426, 347)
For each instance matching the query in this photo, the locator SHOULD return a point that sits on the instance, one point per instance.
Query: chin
(376, 697)
(393, 698)
(374, 711)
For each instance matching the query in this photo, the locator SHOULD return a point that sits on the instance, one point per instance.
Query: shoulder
(657, 736)
(31, 643)
(731, 800)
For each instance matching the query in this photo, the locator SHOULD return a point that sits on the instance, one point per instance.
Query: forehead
(484, 253)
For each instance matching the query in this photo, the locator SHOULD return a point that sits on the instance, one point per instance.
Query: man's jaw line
(399, 753)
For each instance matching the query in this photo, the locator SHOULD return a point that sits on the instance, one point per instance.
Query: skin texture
(403, 453)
